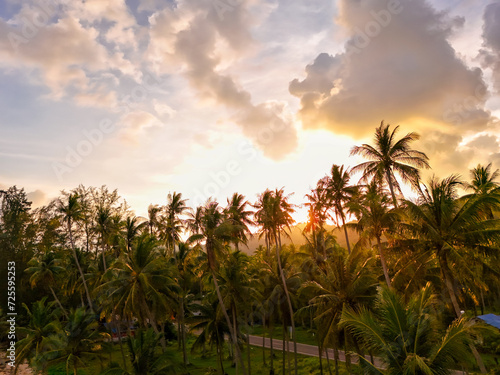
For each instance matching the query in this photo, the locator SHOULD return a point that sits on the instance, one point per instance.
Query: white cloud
(200, 41)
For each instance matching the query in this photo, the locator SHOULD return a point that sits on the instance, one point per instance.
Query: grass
(303, 335)
(204, 365)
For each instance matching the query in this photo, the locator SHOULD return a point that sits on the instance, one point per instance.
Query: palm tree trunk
(268, 250)
(152, 321)
(336, 357)
(451, 291)
(346, 235)
(320, 351)
(384, 264)
(283, 353)
(179, 335)
(391, 188)
(249, 361)
(264, 338)
(183, 333)
(119, 331)
(89, 300)
(233, 311)
(288, 351)
(271, 329)
(59, 302)
(483, 306)
(228, 321)
(328, 361)
(289, 301)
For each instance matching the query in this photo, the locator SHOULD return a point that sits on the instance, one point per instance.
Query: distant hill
(298, 239)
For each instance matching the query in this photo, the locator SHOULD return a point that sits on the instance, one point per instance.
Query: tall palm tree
(104, 228)
(43, 324)
(483, 180)
(236, 289)
(279, 294)
(339, 193)
(138, 284)
(346, 281)
(237, 214)
(216, 231)
(132, 229)
(389, 156)
(44, 270)
(184, 260)
(452, 227)
(79, 343)
(317, 215)
(72, 211)
(176, 206)
(276, 213)
(263, 219)
(154, 212)
(210, 326)
(407, 336)
(375, 219)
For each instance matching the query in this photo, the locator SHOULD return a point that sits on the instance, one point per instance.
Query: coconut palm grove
(375, 282)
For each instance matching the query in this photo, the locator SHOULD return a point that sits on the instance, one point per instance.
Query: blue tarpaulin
(491, 319)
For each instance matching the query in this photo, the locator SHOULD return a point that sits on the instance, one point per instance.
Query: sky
(212, 97)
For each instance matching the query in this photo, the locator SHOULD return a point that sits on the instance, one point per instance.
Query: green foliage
(407, 336)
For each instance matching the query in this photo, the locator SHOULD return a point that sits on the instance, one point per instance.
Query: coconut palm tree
(79, 343)
(176, 206)
(390, 156)
(237, 214)
(375, 219)
(145, 358)
(317, 215)
(211, 327)
(339, 193)
(263, 219)
(43, 324)
(44, 270)
(483, 180)
(280, 296)
(237, 290)
(216, 231)
(139, 284)
(132, 229)
(453, 228)
(407, 336)
(483, 183)
(274, 216)
(185, 263)
(154, 219)
(72, 211)
(346, 281)
(104, 228)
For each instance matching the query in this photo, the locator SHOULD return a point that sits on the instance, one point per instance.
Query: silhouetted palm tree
(339, 193)
(72, 211)
(389, 156)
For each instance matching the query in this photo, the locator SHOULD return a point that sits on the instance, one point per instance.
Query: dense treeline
(404, 291)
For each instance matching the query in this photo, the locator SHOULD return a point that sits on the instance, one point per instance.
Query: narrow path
(312, 351)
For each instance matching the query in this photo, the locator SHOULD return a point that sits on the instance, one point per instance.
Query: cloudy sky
(209, 97)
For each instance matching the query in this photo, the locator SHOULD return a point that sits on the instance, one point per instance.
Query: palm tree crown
(389, 156)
